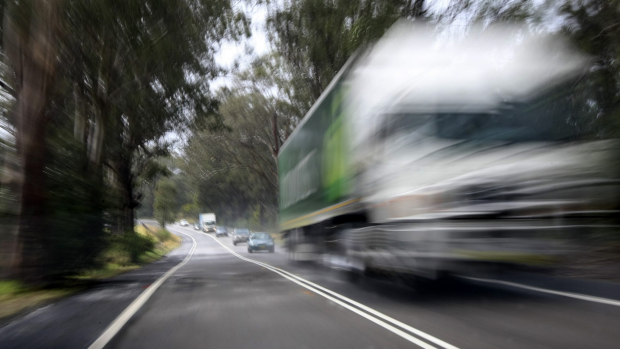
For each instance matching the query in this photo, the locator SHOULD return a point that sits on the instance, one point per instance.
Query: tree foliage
(235, 170)
(165, 202)
(90, 92)
(315, 38)
(93, 89)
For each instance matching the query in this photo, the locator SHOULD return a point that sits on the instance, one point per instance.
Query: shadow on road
(448, 290)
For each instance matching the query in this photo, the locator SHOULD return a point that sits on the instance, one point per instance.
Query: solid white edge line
(544, 290)
(315, 288)
(133, 308)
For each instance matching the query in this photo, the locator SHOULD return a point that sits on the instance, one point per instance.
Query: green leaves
(122, 78)
(165, 202)
(315, 38)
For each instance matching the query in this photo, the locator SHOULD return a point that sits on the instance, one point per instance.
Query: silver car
(240, 235)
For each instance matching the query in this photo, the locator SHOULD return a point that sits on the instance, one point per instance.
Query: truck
(207, 222)
(427, 157)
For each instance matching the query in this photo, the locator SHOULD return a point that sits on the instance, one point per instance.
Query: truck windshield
(501, 127)
(505, 126)
(552, 116)
(210, 222)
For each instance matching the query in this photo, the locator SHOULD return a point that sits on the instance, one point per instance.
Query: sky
(236, 51)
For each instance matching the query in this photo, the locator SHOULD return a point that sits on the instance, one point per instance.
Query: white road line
(133, 308)
(326, 293)
(544, 290)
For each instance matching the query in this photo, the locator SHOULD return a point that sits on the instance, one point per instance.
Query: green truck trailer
(314, 169)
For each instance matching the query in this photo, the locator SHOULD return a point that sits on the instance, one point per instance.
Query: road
(225, 297)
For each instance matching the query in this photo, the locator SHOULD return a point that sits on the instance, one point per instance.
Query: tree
(315, 38)
(594, 25)
(115, 77)
(30, 42)
(148, 79)
(235, 168)
(165, 202)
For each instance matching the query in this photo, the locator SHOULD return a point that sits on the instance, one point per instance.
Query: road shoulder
(77, 320)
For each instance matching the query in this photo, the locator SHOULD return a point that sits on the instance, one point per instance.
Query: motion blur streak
(435, 173)
(459, 155)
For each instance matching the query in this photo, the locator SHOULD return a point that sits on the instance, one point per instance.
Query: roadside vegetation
(89, 92)
(15, 297)
(147, 244)
(124, 253)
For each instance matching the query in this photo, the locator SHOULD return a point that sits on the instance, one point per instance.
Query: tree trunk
(129, 204)
(96, 140)
(276, 138)
(33, 57)
(31, 257)
(97, 135)
(79, 126)
(127, 201)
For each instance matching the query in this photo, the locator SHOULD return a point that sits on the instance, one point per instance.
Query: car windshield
(261, 236)
(242, 231)
(221, 229)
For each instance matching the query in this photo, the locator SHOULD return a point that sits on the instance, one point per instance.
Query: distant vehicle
(240, 235)
(207, 222)
(196, 226)
(184, 223)
(260, 242)
(221, 231)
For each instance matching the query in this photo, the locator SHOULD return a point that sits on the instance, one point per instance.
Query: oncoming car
(240, 235)
(184, 223)
(260, 242)
(221, 231)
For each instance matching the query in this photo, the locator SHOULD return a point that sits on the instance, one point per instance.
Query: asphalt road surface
(225, 297)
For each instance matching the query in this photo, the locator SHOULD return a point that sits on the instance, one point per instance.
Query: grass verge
(147, 244)
(14, 297)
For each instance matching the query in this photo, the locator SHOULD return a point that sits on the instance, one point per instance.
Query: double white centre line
(403, 330)
(413, 335)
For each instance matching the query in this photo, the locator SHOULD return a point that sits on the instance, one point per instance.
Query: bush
(163, 235)
(134, 245)
(10, 287)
